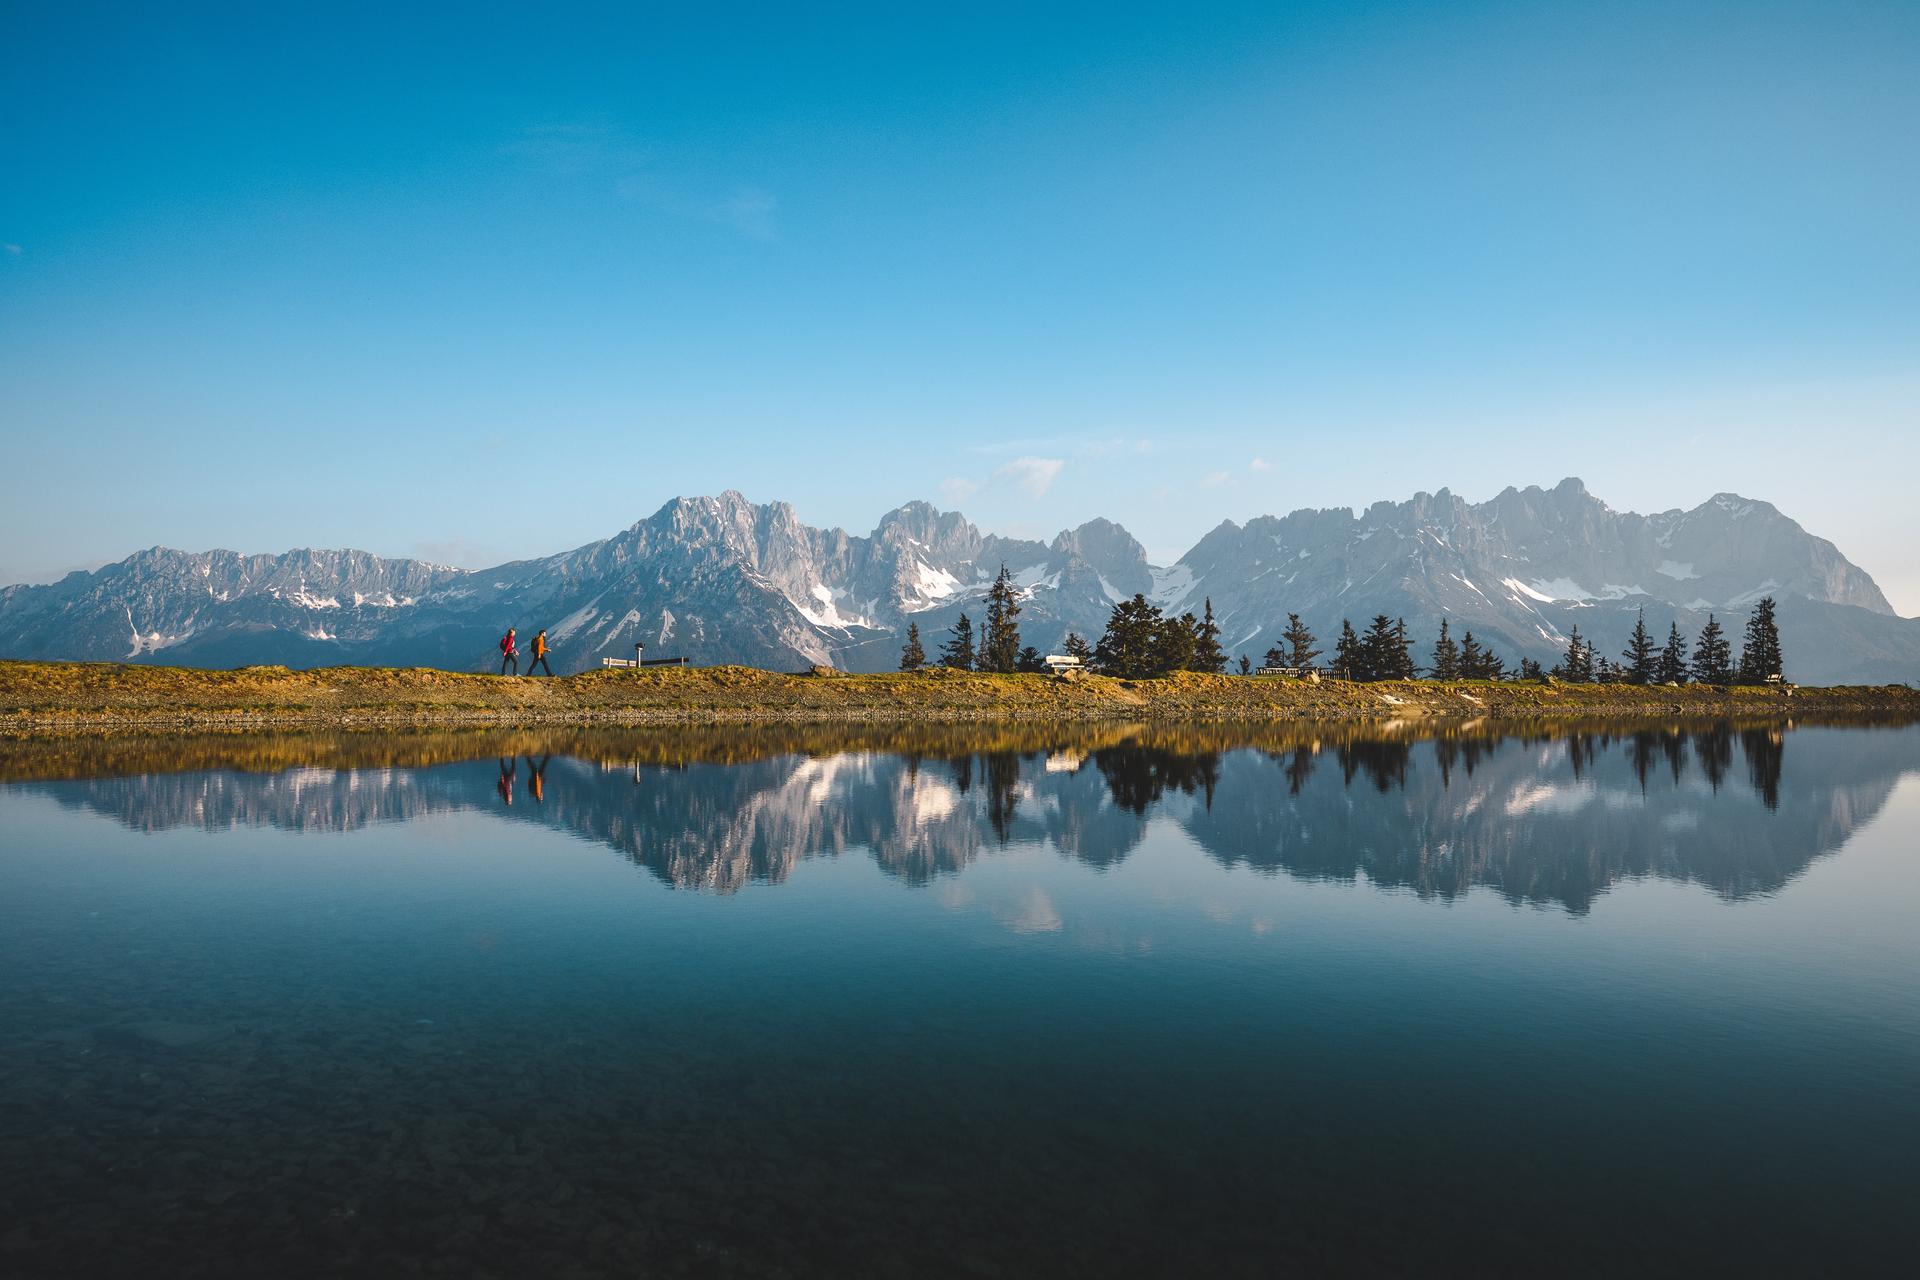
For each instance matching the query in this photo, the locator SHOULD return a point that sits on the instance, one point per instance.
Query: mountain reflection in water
(1552, 814)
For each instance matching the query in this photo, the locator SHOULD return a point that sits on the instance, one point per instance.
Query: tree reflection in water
(1541, 813)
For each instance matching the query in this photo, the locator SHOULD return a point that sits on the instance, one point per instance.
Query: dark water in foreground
(1045, 1001)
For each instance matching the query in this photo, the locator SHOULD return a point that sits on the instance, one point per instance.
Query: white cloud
(1034, 475)
(955, 490)
(1260, 464)
(1215, 478)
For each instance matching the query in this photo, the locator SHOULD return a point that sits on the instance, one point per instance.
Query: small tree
(1075, 647)
(1403, 668)
(1000, 642)
(912, 655)
(1173, 644)
(1446, 656)
(1376, 648)
(1384, 649)
(1577, 666)
(1030, 661)
(1642, 663)
(1127, 647)
(1712, 655)
(1530, 670)
(958, 652)
(1300, 645)
(1760, 653)
(1350, 655)
(1207, 654)
(1246, 665)
(1471, 660)
(1672, 667)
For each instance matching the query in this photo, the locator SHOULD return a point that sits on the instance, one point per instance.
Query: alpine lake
(1175, 1000)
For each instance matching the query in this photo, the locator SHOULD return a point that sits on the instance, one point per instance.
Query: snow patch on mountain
(1171, 586)
(828, 614)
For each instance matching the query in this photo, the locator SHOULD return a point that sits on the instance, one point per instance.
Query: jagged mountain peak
(722, 578)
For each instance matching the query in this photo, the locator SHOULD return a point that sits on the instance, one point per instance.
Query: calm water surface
(1043, 1001)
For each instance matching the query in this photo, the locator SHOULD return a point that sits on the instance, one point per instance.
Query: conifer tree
(1174, 641)
(1075, 647)
(1000, 642)
(1712, 655)
(1577, 667)
(1030, 662)
(1246, 665)
(1380, 649)
(912, 655)
(1760, 653)
(1349, 655)
(1301, 649)
(1642, 663)
(1127, 647)
(1207, 654)
(1530, 669)
(1672, 667)
(1471, 662)
(1403, 668)
(1492, 666)
(1446, 656)
(958, 652)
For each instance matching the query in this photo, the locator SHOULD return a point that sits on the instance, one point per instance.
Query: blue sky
(480, 283)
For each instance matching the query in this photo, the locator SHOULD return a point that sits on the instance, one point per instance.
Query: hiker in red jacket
(509, 655)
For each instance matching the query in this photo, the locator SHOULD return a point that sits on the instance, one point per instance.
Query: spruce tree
(1530, 669)
(1403, 668)
(1174, 641)
(1301, 650)
(1000, 642)
(1672, 667)
(1075, 647)
(912, 655)
(1760, 653)
(1712, 655)
(958, 652)
(1446, 656)
(1470, 664)
(1207, 655)
(1380, 649)
(1577, 667)
(1349, 655)
(1642, 663)
(1492, 666)
(1030, 662)
(1127, 647)
(1246, 665)
(1276, 657)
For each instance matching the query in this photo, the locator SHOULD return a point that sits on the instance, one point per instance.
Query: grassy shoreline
(40, 697)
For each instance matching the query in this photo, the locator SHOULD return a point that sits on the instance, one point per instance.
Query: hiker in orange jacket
(539, 654)
(509, 653)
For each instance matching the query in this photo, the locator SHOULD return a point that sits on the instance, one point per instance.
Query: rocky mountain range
(722, 579)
